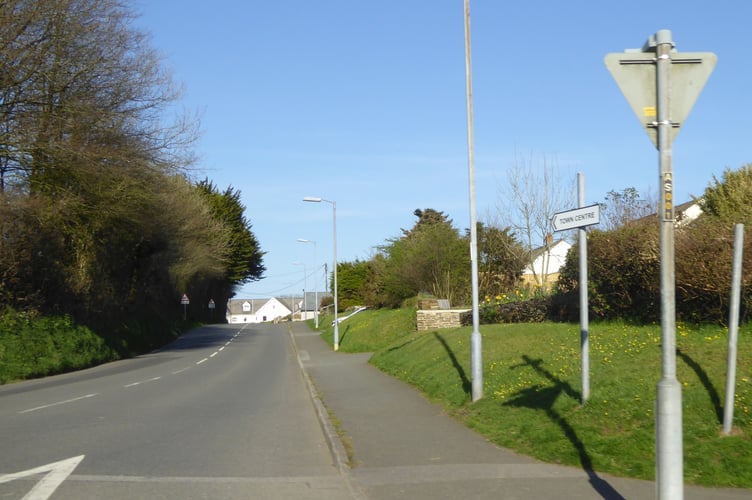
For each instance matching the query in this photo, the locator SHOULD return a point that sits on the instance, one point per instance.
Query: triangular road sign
(634, 72)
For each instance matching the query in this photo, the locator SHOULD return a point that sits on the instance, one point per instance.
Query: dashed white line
(58, 403)
(202, 361)
(141, 382)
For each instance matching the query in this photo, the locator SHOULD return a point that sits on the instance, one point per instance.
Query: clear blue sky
(363, 102)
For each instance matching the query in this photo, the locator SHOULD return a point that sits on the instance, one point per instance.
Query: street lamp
(315, 282)
(334, 218)
(305, 285)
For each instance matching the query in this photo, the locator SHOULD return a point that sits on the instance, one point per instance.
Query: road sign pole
(669, 452)
(661, 85)
(584, 335)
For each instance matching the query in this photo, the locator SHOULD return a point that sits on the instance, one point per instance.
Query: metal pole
(476, 351)
(736, 278)
(305, 298)
(584, 339)
(336, 320)
(315, 289)
(669, 452)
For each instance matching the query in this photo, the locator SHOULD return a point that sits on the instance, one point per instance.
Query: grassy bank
(532, 380)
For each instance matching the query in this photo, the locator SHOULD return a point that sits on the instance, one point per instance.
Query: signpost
(185, 301)
(581, 218)
(661, 85)
(212, 306)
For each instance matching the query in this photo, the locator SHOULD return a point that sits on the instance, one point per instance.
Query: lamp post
(334, 218)
(305, 285)
(476, 352)
(315, 283)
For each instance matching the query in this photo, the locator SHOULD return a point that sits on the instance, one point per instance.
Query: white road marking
(58, 403)
(56, 474)
(213, 354)
(202, 361)
(181, 370)
(141, 382)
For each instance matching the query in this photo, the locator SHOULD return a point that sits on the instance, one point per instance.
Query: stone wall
(434, 319)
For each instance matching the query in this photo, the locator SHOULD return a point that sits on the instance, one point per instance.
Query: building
(257, 310)
(546, 265)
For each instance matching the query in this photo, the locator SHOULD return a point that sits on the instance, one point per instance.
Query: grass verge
(532, 399)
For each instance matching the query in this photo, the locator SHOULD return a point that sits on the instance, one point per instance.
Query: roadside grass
(38, 346)
(532, 390)
(369, 330)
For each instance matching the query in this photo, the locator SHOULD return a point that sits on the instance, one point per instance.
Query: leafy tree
(431, 257)
(729, 199)
(96, 217)
(501, 259)
(246, 258)
(352, 283)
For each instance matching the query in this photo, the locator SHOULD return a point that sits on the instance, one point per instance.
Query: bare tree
(527, 203)
(622, 207)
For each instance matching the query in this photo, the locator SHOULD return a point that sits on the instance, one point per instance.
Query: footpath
(389, 442)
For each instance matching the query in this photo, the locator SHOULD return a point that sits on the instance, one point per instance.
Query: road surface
(224, 412)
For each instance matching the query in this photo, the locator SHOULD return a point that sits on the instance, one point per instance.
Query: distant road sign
(185, 300)
(579, 217)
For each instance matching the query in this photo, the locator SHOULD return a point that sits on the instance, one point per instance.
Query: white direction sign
(579, 217)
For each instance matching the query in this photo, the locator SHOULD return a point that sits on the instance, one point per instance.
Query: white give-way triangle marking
(56, 474)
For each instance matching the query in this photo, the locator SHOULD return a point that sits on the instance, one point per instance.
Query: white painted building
(547, 263)
(255, 310)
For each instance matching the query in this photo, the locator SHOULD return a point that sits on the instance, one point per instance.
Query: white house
(547, 263)
(255, 310)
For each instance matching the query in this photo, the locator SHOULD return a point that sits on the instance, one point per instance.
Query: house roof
(235, 306)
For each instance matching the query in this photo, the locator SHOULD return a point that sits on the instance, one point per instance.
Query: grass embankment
(37, 346)
(532, 390)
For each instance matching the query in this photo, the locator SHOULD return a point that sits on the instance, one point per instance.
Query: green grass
(39, 346)
(369, 330)
(532, 390)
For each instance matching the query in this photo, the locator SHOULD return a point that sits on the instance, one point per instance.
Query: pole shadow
(544, 399)
(715, 398)
(343, 334)
(467, 385)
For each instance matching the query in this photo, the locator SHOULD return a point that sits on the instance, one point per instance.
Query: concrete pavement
(389, 442)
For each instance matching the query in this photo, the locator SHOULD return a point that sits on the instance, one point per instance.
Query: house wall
(270, 311)
(551, 262)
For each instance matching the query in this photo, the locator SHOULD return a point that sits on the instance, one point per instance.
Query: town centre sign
(579, 217)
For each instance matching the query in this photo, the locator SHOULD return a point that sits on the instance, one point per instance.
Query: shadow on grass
(715, 398)
(543, 399)
(343, 334)
(467, 385)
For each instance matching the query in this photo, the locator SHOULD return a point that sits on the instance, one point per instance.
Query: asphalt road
(224, 412)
